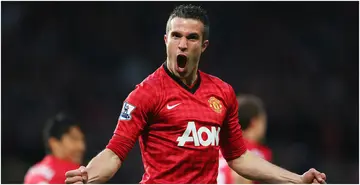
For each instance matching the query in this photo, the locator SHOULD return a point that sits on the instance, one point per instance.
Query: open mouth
(181, 61)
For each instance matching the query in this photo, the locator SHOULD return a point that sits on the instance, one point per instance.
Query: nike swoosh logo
(172, 106)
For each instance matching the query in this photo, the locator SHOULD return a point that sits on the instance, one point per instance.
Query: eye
(193, 36)
(176, 35)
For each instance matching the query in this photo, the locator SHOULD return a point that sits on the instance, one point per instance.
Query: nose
(183, 44)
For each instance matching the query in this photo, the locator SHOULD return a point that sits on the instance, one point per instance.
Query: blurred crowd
(301, 58)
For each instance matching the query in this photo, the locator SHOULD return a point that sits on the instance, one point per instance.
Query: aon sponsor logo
(195, 136)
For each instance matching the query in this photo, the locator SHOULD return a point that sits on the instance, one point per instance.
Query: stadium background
(301, 58)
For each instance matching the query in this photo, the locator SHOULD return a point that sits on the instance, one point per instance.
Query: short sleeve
(133, 118)
(231, 139)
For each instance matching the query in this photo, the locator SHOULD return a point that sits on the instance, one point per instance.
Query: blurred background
(301, 58)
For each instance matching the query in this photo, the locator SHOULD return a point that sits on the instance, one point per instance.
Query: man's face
(184, 45)
(73, 145)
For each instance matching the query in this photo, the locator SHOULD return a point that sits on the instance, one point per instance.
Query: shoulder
(215, 82)
(153, 81)
(39, 171)
(146, 94)
(150, 86)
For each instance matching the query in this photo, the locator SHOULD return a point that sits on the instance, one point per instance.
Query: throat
(190, 81)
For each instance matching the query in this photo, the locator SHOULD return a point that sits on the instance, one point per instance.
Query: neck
(187, 80)
(250, 136)
(58, 154)
(190, 80)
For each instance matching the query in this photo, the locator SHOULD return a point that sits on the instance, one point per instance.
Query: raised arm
(253, 167)
(249, 165)
(132, 120)
(99, 170)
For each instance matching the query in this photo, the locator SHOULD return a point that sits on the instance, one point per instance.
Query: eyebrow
(176, 33)
(195, 35)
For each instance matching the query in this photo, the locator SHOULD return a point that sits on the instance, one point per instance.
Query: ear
(205, 44)
(53, 142)
(165, 39)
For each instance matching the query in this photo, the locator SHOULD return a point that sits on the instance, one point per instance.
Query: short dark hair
(56, 127)
(250, 106)
(191, 12)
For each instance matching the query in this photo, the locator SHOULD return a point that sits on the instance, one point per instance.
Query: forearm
(238, 179)
(255, 168)
(103, 167)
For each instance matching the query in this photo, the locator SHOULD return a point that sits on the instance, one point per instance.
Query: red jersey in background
(225, 172)
(50, 170)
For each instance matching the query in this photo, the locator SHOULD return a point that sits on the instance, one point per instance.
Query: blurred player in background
(252, 118)
(65, 146)
(182, 117)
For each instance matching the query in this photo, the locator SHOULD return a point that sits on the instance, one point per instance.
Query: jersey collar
(177, 80)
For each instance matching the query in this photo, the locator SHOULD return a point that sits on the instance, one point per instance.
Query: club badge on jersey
(215, 104)
(126, 111)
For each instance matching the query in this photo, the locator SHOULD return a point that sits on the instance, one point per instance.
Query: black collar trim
(177, 80)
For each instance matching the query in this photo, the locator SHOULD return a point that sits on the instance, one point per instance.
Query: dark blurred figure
(65, 145)
(253, 121)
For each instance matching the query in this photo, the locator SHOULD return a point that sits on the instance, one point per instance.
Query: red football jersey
(181, 129)
(50, 170)
(225, 172)
(259, 149)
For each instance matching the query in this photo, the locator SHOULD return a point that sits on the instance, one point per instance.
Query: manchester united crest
(215, 104)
